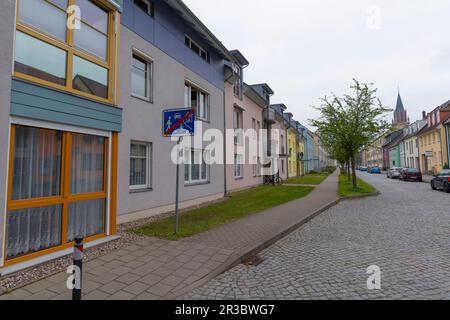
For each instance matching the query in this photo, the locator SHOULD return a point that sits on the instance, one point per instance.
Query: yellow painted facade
(293, 151)
(432, 150)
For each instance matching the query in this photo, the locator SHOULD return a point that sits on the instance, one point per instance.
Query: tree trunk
(348, 170)
(354, 173)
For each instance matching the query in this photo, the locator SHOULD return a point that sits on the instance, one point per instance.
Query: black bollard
(78, 262)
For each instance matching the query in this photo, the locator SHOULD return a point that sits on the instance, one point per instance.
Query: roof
(399, 106)
(240, 59)
(443, 107)
(252, 94)
(279, 107)
(397, 135)
(191, 19)
(264, 86)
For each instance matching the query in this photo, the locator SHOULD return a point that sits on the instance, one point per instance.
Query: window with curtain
(196, 167)
(39, 202)
(88, 161)
(140, 160)
(238, 166)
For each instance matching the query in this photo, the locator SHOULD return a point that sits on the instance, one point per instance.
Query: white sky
(305, 49)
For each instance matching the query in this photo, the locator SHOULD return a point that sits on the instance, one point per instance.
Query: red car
(410, 174)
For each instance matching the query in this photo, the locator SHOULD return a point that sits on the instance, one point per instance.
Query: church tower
(400, 115)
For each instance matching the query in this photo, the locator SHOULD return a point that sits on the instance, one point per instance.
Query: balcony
(269, 116)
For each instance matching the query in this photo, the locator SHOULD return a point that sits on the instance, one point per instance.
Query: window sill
(140, 190)
(193, 184)
(148, 100)
(238, 178)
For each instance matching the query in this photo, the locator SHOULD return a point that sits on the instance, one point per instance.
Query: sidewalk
(154, 269)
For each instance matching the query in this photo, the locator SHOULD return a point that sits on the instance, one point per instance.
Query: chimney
(424, 115)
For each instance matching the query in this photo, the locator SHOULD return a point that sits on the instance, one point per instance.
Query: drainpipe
(224, 145)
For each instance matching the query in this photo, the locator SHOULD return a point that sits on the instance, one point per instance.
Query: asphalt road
(405, 232)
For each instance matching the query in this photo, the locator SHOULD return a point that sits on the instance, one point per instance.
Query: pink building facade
(243, 120)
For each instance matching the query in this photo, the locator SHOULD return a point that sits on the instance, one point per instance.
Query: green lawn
(346, 187)
(312, 179)
(238, 205)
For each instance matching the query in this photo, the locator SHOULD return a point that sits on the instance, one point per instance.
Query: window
(255, 133)
(141, 78)
(145, 5)
(197, 99)
(196, 169)
(58, 189)
(238, 85)
(140, 166)
(202, 53)
(47, 50)
(39, 59)
(237, 126)
(90, 78)
(238, 167)
(92, 36)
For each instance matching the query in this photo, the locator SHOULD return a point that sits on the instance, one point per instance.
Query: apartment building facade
(409, 145)
(60, 121)
(244, 108)
(432, 140)
(169, 60)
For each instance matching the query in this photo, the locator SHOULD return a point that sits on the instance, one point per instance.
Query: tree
(349, 124)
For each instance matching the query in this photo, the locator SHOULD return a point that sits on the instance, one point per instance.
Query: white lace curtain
(37, 174)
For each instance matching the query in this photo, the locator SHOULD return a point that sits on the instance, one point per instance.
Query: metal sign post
(178, 123)
(177, 191)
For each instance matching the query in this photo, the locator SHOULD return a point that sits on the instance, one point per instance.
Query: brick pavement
(154, 269)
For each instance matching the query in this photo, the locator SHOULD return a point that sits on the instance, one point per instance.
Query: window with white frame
(202, 53)
(238, 166)
(197, 99)
(141, 77)
(237, 126)
(140, 165)
(196, 167)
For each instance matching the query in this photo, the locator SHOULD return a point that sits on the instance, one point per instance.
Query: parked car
(375, 170)
(410, 174)
(394, 173)
(369, 168)
(363, 169)
(441, 181)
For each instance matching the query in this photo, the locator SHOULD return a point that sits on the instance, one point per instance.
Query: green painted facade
(36, 102)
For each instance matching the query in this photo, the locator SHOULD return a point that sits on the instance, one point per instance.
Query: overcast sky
(305, 49)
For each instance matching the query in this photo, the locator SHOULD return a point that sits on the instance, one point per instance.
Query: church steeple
(400, 114)
(400, 106)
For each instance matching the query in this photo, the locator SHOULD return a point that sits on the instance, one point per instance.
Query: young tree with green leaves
(350, 123)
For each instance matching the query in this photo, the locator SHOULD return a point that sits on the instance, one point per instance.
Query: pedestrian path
(153, 269)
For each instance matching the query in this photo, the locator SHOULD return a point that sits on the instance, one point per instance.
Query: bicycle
(273, 179)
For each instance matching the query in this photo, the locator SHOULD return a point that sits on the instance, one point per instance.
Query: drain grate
(253, 261)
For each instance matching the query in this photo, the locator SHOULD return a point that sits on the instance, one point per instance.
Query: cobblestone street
(405, 232)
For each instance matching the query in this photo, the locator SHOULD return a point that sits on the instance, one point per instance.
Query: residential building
(409, 145)
(432, 140)
(310, 150)
(447, 136)
(169, 59)
(391, 150)
(374, 153)
(293, 145)
(304, 146)
(59, 126)
(243, 115)
(278, 136)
